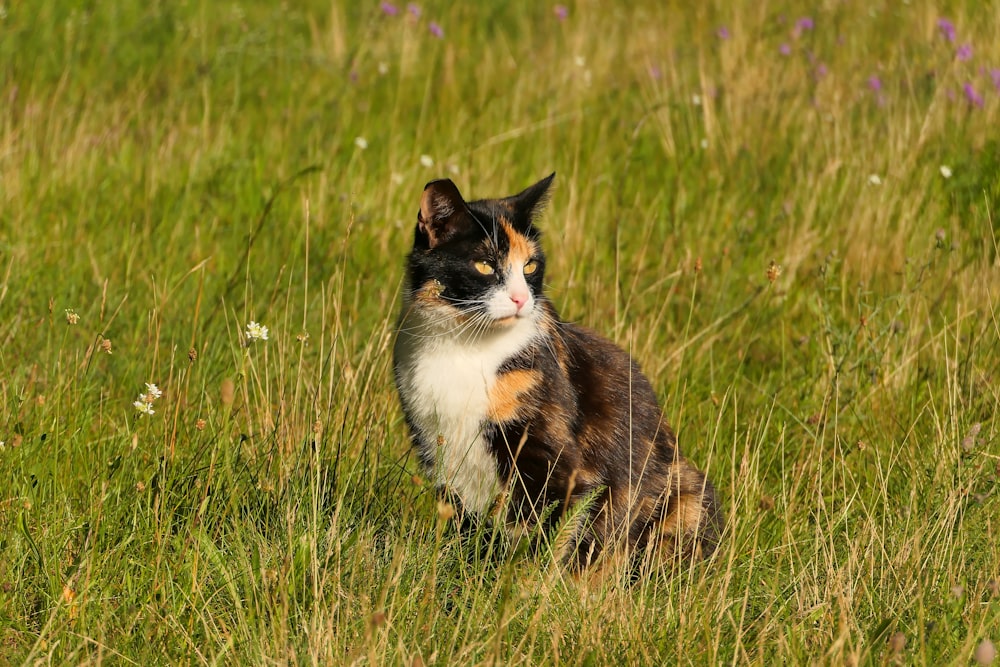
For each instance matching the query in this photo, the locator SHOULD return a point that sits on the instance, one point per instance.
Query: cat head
(478, 261)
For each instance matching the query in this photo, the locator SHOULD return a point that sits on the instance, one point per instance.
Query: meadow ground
(787, 214)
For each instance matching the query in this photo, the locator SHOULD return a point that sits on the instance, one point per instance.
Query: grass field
(787, 214)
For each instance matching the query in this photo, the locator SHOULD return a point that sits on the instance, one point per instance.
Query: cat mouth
(512, 319)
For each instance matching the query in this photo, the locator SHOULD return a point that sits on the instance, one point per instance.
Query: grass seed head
(773, 271)
(227, 392)
(446, 511)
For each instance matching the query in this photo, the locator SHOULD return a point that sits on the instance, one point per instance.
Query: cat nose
(519, 299)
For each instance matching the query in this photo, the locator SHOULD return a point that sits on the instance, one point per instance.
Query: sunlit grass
(787, 214)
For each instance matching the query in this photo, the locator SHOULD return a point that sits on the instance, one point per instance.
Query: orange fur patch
(686, 517)
(429, 293)
(521, 249)
(428, 300)
(506, 394)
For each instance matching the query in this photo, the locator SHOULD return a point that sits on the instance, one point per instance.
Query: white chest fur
(444, 383)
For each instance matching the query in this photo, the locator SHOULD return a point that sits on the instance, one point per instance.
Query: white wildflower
(427, 160)
(696, 100)
(946, 171)
(383, 68)
(874, 179)
(143, 406)
(361, 142)
(152, 392)
(256, 332)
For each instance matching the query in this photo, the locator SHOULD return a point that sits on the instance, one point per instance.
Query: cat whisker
(478, 325)
(464, 302)
(483, 227)
(473, 326)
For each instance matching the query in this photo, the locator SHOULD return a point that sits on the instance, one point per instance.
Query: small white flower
(361, 142)
(383, 68)
(874, 179)
(704, 143)
(427, 160)
(144, 407)
(3, 445)
(580, 61)
(396, 178)
(152, 392)
(946, 171)
(696, 100)
(256, 332)
(453, 168)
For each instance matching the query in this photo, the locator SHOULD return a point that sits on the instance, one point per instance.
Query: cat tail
(690, 522)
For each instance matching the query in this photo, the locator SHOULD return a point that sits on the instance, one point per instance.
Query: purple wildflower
(561, 12)
(995, 75)
(723, 33)
(436, 30)
(821, 71)
(805, 23)
(414, 10)
(964, 53)
(974, 98)
(785, 50)
(875, 85)
(947, 29)
(655, 72)
(389, 9)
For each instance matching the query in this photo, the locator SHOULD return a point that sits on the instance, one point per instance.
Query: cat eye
(484, 268)
(530, 267)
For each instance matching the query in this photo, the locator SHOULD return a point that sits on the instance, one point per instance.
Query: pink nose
(519, 299)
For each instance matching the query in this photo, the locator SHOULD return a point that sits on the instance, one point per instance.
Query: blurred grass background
(786, 211)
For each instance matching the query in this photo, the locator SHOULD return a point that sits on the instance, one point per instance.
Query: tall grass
(170, 172)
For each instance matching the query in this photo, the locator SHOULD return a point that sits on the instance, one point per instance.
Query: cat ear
(529, 203)
(443, 213)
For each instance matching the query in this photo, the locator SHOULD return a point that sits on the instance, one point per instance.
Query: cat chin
(507, 314)
(509, 321)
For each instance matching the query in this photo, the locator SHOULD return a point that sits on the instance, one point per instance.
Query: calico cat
(513, 410)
